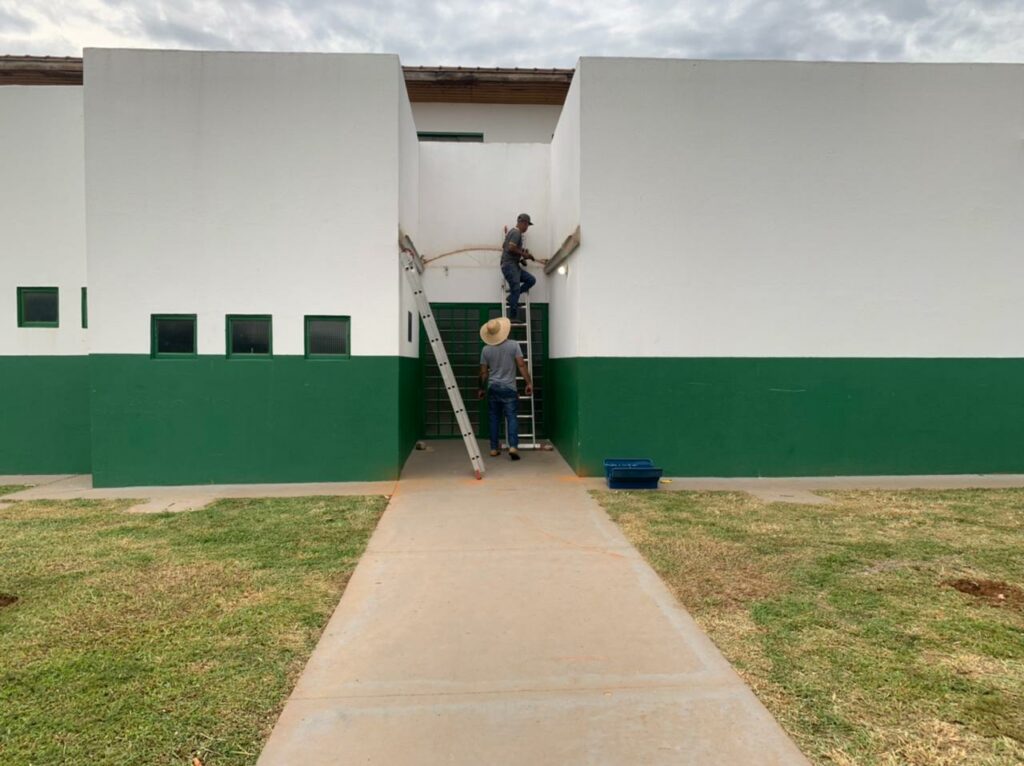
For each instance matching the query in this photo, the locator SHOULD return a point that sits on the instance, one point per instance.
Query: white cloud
(532, 33)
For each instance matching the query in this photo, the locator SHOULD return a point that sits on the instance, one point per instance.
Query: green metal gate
(459, 325)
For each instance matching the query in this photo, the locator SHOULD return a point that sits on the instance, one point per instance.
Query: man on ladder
(499, 360)
(513, 261)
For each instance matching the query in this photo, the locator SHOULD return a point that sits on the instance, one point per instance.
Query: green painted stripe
(793, 417)
(44, 414)
(563, 408)
(208, 419)
(410, 404)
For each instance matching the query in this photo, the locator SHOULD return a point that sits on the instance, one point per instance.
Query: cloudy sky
(532, 32)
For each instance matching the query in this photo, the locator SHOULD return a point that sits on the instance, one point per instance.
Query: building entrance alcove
(459, 325)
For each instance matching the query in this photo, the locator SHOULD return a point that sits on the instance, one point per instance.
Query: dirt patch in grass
(991, 592)
(160, 638)
(843, 617)
(6, 599)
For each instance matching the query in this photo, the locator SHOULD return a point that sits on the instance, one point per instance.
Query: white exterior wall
(793, 209)
(42, 215)
(408, 215)
(468, 194)
(564, 212)
(500, 123)
(224, 183)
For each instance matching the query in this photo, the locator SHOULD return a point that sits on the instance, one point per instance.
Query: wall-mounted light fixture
(562, 270)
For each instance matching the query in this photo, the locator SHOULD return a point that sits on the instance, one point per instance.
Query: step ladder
(412, 275)
(527, 410)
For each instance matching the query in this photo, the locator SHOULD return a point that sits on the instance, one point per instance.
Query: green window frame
(451, 137)
(85, 308)
(229, 340)
(23, 291)
(347, 320)
(155, 353)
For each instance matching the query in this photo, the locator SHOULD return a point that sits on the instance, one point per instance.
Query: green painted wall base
(44, 414)
(792, 417)
(564, 408)
(289, 419)
(410, 405)
(208, 419)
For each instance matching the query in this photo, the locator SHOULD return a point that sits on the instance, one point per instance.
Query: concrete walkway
(801, 489)
(182, 498)
(508, 621)
(178, 498)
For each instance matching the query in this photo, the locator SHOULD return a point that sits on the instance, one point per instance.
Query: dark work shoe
(513, 453)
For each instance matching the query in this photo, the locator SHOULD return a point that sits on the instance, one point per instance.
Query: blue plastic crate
(631, 473)
(632, 462)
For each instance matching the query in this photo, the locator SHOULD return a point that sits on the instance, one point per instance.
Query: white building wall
(408, 215)
(222, 183)
(468, 194)
(564, 214)
(42, 215)
(500, 123)
(795, 209)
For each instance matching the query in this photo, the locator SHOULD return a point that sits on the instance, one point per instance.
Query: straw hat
(496, 331)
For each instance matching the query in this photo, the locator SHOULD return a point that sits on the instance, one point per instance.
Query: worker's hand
(529, 389)
(479, 393)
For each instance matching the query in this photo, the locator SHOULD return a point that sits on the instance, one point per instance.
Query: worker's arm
(522, 252)
(525, 372)
(516, 247)
(483, 381)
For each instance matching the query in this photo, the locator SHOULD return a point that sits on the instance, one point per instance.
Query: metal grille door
(459, 325)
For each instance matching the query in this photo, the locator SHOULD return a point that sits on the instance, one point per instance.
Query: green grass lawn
(847, 619)
(152, 639)
(7, 489)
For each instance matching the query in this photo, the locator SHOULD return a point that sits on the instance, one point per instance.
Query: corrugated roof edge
(486, 85)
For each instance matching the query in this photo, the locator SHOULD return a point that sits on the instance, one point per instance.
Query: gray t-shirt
(514, 237)
(501, 363)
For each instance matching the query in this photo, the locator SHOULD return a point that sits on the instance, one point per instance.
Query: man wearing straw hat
(499, 360)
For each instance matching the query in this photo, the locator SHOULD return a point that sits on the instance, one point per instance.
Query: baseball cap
(524, 217)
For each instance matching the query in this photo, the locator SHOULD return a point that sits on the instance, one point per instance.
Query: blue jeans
(503, 401)
(519, 281)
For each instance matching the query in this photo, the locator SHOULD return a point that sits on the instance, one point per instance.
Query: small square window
(249, 336)
(38, 307)
(327, 336)
(174, 335)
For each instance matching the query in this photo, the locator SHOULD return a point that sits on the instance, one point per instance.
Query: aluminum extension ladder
(527, 410)
(452, 386)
